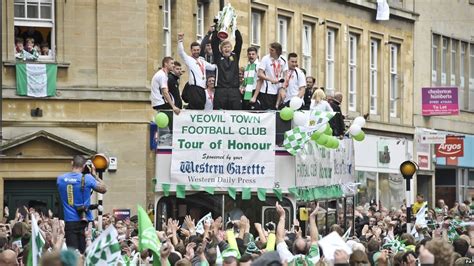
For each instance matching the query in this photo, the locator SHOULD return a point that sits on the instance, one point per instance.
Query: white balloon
(296, 103)
(300, 119)
(322, 129)
(355, 129)
(359, 121)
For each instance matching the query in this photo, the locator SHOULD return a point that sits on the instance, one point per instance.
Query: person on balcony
(250, 80)
(227, 94)
(271, 70)
(194, 92)
(295, 81)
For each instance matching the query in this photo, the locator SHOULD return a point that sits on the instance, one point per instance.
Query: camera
(270, 226)
(87, 167)
(82, 211)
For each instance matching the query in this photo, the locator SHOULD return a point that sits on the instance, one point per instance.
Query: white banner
(319, 166)
(224, 149)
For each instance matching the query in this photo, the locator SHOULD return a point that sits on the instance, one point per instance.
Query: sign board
(223, 149)
(121, 214)
(453, 147)
(318, 166)
(423, 161)
(432, 138)
(439, 101)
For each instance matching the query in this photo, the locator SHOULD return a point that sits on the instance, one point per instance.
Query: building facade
(108, 51)
(444, 57)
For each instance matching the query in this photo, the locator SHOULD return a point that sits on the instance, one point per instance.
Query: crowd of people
(379, 237)
(30, 44)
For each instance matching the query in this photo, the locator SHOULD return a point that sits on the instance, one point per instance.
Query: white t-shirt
(322, 106)
(158, 82)
(297, 79)
(273, 69)
(197, 67)
(209, 105)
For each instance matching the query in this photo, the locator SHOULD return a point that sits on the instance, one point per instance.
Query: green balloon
(162, 120)
(328, 130)
(286, 114)
(330, 142)
(316, 135)
(335, 144)
(322, 140)
(360, 136)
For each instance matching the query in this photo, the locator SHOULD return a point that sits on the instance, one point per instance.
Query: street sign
(432, 138)
(453, 147)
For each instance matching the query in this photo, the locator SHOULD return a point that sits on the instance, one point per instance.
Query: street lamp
(408, 169)
(101, 163)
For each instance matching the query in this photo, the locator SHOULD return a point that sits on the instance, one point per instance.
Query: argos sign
(453, 147)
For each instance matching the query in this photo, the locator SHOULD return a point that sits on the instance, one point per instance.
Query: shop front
(377, 162)
(455, 169)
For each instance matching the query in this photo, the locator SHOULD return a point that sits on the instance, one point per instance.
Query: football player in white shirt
(295, 81)
(271, 70)
(194, 94)
(160, 97)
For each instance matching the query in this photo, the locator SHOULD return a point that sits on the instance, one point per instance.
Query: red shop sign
(453, 147)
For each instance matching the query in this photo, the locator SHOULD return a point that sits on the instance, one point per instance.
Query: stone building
(444, 57)
(107, 52)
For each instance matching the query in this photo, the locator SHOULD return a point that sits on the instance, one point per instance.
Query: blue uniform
(69, 186)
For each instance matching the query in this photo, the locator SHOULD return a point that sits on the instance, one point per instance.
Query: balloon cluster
(288, 113)
(323, 136)
(355, 130)
(161, 120)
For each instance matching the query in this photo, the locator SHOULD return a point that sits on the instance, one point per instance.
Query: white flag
(420, 219)
(36, 243)
(200, 224)
(105, 250)
(383, 10)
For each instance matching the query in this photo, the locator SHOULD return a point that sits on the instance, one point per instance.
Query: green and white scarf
(250, 79)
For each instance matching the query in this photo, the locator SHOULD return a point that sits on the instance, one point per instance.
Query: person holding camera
(75, 190)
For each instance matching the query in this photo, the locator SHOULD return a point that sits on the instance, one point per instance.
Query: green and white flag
(36, 243)
(105, 250)
(317, 119)
(147, 237)
(36, 80)
(295, 139)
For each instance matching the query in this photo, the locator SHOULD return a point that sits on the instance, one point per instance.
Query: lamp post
(408, 169)
(101, 163)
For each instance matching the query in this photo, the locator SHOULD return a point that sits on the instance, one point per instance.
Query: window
(282, 33)
(434, 60)
(373, 68)
(454, 47)
(471, 78)
(256, 29)
(393, 80)
(444, 56)
(461, 75)
(200, 22)
(330, 56)
(166, 27)
(307, 47)
(352, 72)
(34, 20)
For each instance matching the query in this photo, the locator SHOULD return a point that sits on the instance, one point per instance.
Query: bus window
(196, 205)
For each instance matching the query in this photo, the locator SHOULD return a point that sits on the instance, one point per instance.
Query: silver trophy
(226, 22)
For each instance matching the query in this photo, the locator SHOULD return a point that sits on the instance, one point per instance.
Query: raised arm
(280, 231)
(313, 229)
(204, 42)
(238, 43)
(186, 58)
(215, 46)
